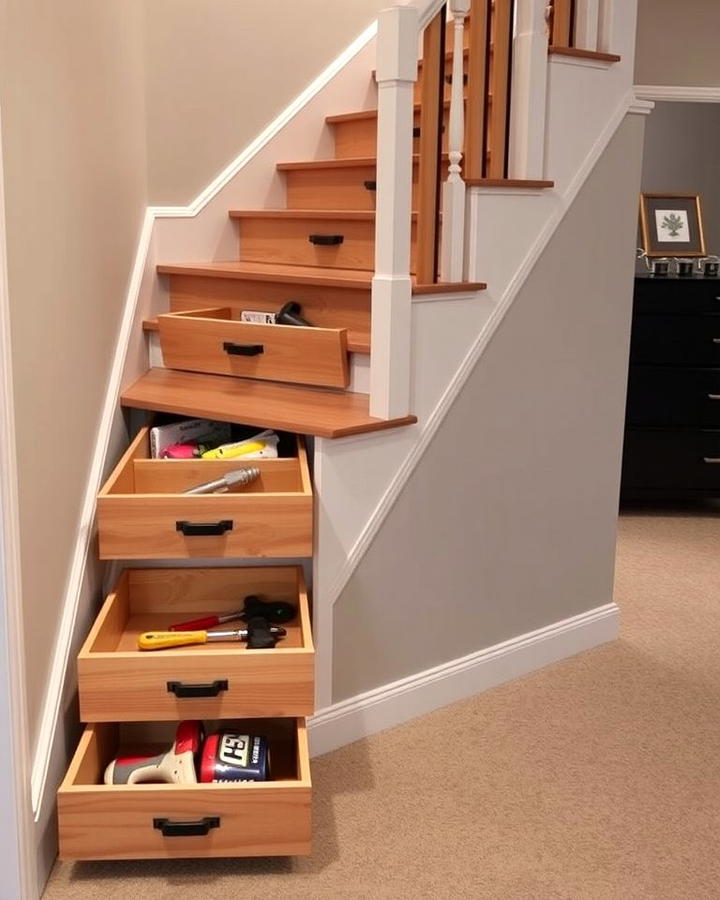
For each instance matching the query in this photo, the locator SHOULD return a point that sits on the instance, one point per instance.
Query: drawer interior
(137, 473)
(102, 742)
(154, 599)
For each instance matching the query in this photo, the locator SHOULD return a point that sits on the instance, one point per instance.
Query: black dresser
(672, 419)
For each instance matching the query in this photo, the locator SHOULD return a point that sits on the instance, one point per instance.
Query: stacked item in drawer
(133, 700)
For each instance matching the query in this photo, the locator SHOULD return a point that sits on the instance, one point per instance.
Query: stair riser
(334, 188)
(327, 307)
(358, 137)
(285, 241)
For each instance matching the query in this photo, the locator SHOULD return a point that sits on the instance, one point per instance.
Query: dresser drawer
(211, 340)
(662, 459)
(680, 296)
(269, 818)
(676, 340)
(675, 397)
(142, 512)
(118, 682)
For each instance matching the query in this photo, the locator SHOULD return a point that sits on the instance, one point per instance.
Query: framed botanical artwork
(671, 225)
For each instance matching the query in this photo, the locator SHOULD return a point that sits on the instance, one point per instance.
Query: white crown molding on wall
(678, 94)
(402, 700)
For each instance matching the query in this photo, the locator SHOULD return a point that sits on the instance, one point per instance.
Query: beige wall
(74, 157)
(508, 523)
(219, 71)
(677, 43)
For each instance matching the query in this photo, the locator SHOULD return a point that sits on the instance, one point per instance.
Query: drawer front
(657, 458)
(210, 341)
(270, 818)
(118, 682)
(142, 512)
(676, 340)
(674, 397)
(223, 526)
(677, 295)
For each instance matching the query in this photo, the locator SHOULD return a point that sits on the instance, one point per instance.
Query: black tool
(277, 611)
(290, 315)
(261, 635)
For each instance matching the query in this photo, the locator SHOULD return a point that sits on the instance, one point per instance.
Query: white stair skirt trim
(398, 702)
(678, 94)
(430, 426)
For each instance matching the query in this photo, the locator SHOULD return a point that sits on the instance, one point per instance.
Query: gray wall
(508, 523)
(682, 155)
(677, 43)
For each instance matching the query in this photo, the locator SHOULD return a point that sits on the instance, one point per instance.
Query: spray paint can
(229, 756)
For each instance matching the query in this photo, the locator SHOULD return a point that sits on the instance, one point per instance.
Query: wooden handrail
(431, 111)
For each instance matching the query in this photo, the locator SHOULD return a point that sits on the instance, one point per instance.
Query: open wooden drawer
(268, 818)
(211, 340)
(142, 512)
(118, 682)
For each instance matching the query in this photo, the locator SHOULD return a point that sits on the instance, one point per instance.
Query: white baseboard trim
(678, 94)
(398, 702)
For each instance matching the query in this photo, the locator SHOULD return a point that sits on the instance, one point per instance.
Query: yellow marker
(230, 451)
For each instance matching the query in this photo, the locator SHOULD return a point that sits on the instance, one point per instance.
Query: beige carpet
(594, 778)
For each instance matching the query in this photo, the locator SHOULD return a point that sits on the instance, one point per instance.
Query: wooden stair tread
(358, 279)
(367, 114)
(330, 414)
(349, 278)
(350, 214)
(151, 325)
(347, 162)
(584, 54)
(509, 183)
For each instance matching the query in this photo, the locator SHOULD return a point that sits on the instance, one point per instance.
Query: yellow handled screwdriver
(162, 640)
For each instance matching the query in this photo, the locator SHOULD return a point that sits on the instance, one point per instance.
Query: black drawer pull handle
(197, 690)
(194, 529)
(370, 185)
(243, 349)
(186, 829)
(326, 240)
(711, 460)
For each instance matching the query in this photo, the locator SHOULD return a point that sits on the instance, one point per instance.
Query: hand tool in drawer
(258, 635)
(275, 611)
(226, 481)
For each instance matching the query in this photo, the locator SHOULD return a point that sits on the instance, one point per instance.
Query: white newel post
(397, 53)
(605, 26)
(587, 18)
(526, 152)
(453, 198)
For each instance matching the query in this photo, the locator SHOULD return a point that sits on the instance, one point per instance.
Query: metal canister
(229, 756)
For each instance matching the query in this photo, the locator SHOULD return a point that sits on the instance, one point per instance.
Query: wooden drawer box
(211, 340)
(270, 818)
(143, 513)
(118, 682)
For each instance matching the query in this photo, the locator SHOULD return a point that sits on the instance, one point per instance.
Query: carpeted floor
(595, 778)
